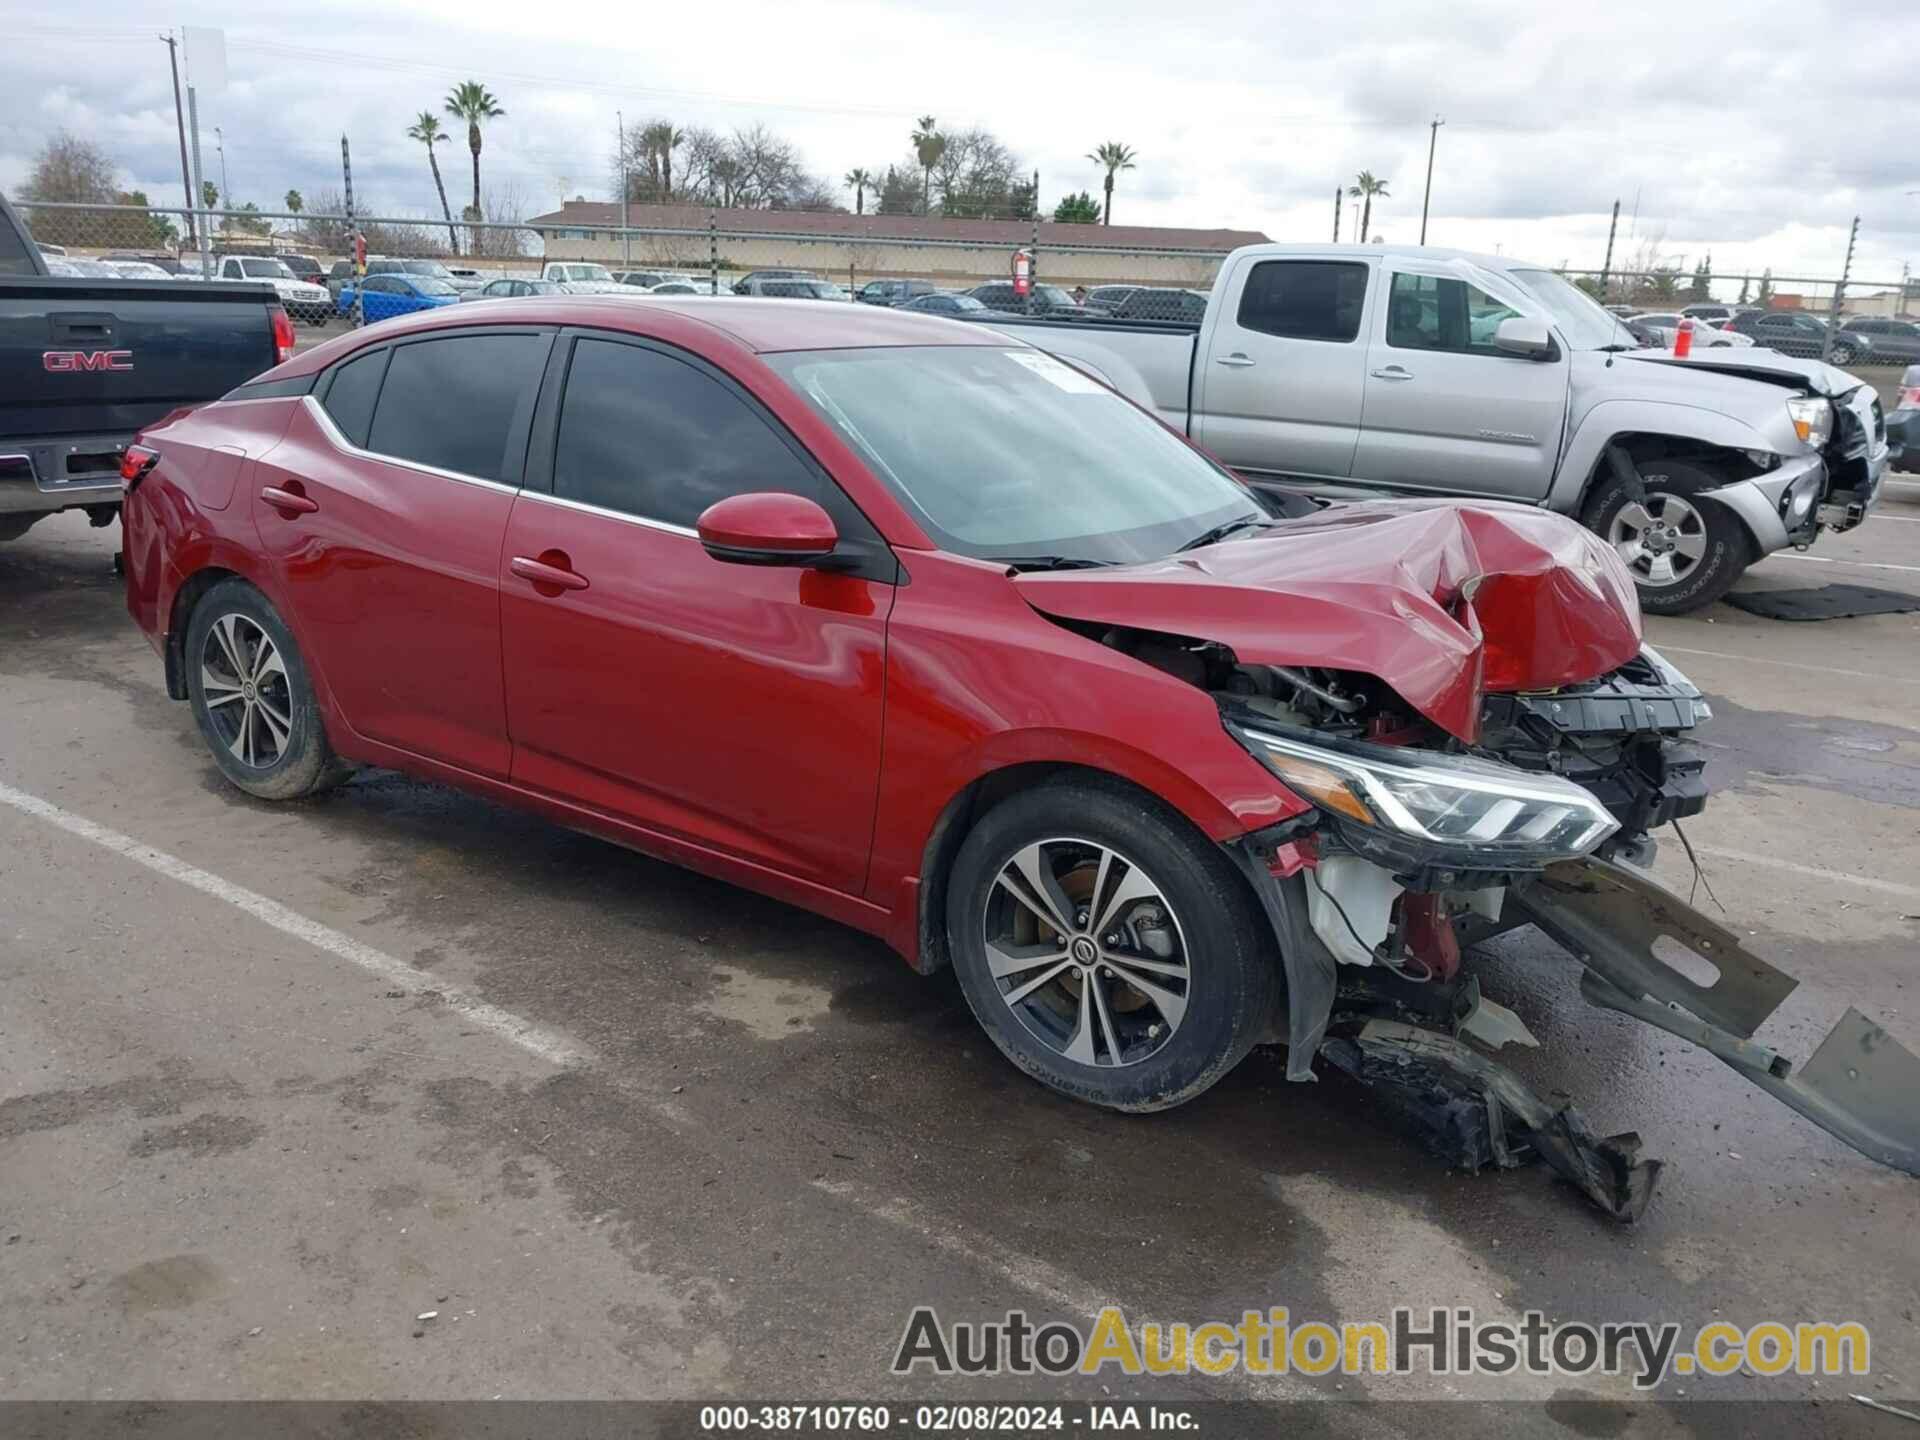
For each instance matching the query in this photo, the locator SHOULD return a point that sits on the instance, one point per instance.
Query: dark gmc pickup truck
(85, 363)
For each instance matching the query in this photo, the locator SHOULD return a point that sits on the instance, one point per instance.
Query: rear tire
(1840, 355)
(1157, 984)
(252, 697)
(1684, 552)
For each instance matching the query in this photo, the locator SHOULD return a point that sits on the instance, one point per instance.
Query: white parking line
(549, 1045)
(1829, 560)
(1033, 1275)
(1666, 649)
(1813, 872)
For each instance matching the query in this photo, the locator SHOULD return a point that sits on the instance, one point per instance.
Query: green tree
(209, 194)
(294, 202)
(1078, 209)
(474, 103)
(1364, 188)
(658, 141)
(859, 181)
(1765, 297)
(1746, 284)
(1115, 157)
(428, 131)
(898, 196)
(928, 146)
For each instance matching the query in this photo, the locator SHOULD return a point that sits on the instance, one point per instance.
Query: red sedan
(907, 623)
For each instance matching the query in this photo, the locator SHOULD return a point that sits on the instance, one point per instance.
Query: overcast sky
(1749, 129)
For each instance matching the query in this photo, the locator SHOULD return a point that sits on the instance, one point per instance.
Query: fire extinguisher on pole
(1022, 273)
(1683, 340)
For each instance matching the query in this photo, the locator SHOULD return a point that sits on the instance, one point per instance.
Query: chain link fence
(412, 262)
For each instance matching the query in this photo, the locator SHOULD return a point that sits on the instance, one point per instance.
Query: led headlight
(1472, 810)
(1812, 419)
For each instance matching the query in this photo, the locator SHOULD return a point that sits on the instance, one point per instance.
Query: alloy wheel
(1086, 952)
(1663, 538)
(243, 684)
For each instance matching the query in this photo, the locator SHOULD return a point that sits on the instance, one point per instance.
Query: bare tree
(70, 170)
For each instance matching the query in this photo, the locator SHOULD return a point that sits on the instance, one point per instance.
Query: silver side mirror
(1524, 336)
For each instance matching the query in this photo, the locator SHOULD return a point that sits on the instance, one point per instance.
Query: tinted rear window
(350, 397)
(453, 403)
(1304, 299)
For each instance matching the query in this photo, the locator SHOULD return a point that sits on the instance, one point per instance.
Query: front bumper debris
(1474, 1112)
(1861, 1086)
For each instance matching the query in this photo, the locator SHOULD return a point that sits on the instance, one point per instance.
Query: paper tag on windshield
(1064, 377)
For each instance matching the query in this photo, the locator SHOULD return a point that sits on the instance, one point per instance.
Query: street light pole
(220, 144)
(1433, 138)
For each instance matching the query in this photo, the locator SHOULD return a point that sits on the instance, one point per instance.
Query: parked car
(1794, 332)
(941, 303)
(310, 303)
(791, 289)
(1155, 303)
(90, 268)
(1715, 315)
(1040, 300)
(582, 277)
(1162, 775)
(382, 297)
(645, 279)
(1392, 368)
(773, 274)
(511, 289)
(894, 292)
(1666, 327)
(435, 270)
(1893, 342)
(86, 360)
(136, 270)
(1903, 425)
(304, 267)
(1109, 297)
(168, 264)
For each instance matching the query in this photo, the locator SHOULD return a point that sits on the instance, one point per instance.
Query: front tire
(1840, 355)
(1685, 552)
(252, 697)
(1107, 948)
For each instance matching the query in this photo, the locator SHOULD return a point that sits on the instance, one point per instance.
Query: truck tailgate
(87, 357)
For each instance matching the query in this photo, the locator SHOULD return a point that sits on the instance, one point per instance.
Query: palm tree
(1365, 187)
(858, 180)
(1116, 157)
(428, 132)
(660, 140)
(928, 146)
(295, 202)
(473, 102)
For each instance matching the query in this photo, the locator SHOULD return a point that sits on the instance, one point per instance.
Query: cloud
(1752, 128)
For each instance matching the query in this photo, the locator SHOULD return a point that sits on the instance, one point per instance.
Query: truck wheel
(252, 699)
(1108, 949)
(1684, 552)
(1840, 355)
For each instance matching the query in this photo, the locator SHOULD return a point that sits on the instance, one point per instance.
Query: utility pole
(220, 144)
(199, 182)
(1840, 292)
(1336, 214)
(180, 123)
(1433, 138)
(353, 240)
(626, 215)
(1606, 265)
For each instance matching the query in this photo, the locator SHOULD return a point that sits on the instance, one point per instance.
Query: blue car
(384, 296)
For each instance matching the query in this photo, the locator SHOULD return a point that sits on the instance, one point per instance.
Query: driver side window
(1428, 312)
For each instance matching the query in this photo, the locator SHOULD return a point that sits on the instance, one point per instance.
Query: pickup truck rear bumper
(40, 477)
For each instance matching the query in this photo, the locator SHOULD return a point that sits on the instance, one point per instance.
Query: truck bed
(1149, 361)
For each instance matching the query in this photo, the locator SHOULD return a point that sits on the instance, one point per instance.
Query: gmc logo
(63, 361)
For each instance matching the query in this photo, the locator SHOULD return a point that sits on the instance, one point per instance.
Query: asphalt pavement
(278, 1081)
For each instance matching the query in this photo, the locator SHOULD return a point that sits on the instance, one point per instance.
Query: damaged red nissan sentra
(913, 625)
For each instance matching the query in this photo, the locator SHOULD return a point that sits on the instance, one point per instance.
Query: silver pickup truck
(1347, 369)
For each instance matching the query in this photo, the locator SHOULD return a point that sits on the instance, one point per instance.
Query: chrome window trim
(347, 447)
(584, 508)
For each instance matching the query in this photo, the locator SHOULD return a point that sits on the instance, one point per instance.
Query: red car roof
(761, 326)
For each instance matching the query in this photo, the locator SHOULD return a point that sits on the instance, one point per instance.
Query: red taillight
(136, 461)
(1909, 398)
(282, 335)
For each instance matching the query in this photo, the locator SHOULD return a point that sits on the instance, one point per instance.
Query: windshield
(1011, 453)
(267, 269)
(427, 267)
(427, 285)
(1054, 295)
(589, 272)
(1578, 315)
